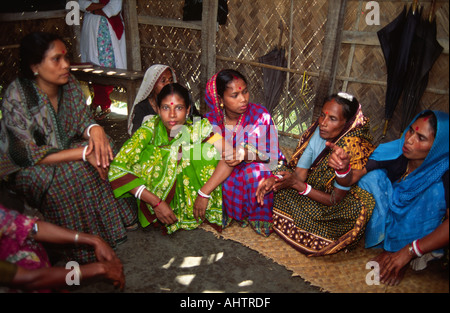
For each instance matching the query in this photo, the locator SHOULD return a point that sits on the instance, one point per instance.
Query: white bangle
(88, 131)
(139, 192)
(203, 195)
(307, 190)
(342, 175)
(76, 238)
(84, 153)
(416, 249)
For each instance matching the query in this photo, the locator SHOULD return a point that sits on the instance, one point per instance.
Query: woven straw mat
(344, 272)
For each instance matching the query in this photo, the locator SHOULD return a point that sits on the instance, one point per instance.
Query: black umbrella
(273, 79)
(425, 50)
(395, 40)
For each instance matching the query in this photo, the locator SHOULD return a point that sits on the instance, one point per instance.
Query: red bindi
(64, 52)
(417, 128)
(426, 118)
(171, 103)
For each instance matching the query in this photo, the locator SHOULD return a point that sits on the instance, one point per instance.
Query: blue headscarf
(414, 207)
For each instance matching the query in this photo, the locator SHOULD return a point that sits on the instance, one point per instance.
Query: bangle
(307, 190)
(277, 176)
(88, 131)
(411, 251)
(84, 153)
(154, 206)
(77, 235)
(342, 175)
(203, 195)
(34, 229)
(416, 248)
(138, 193)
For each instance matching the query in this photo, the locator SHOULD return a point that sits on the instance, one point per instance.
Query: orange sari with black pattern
(316, 229)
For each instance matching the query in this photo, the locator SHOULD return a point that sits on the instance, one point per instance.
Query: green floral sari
(174, 170)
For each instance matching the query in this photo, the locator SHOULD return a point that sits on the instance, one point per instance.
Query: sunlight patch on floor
(191, 261)
(185, 280)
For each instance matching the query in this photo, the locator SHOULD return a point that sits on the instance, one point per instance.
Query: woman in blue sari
(409, 180)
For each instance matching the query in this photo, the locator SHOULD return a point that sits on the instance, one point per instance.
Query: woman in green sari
(171, 165)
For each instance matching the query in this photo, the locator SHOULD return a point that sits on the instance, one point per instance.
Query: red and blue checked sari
(239, 189)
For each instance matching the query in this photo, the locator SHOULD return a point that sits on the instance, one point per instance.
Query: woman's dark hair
(224, 77)
(32, 51)
(431, 117)
(179, 90)
(350, 107)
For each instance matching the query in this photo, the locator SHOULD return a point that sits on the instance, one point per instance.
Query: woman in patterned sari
(311, 211)
(171, 166)
(53, 155)
(249, 129)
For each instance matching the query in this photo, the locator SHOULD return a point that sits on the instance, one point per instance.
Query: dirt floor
(192, 261)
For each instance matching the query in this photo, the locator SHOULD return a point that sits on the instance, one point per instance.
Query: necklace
(405, 174)
(237, 124)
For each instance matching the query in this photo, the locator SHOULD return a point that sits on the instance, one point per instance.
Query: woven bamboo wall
(12, 32)
(180, 48)
(366, 63)
(252, 30)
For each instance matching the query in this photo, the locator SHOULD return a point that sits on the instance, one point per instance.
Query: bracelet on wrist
(77, 236)
(203, 195)
(88, 131)
(277, 176)
(84, 153)
(411, 251)
(155, 206)
(139, 192)
(416, 248)
(307, 190)
(343, 174)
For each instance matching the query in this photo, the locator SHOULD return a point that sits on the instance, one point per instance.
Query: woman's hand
(200, 206)
(102, 171)
(114, 272)
(99, 144)
(393, 265)
(289, 180)
(264, 187)
(235, 157)
(339, 160)
(164, 213)
(103, 251)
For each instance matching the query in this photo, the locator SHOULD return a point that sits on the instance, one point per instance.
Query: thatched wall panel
(368, 69)
(161, 8)
(12, 33)
(252, 30)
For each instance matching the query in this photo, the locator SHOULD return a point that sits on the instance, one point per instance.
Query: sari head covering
(148, 83)
(258, 132)
(412, 208)
(316, 229)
